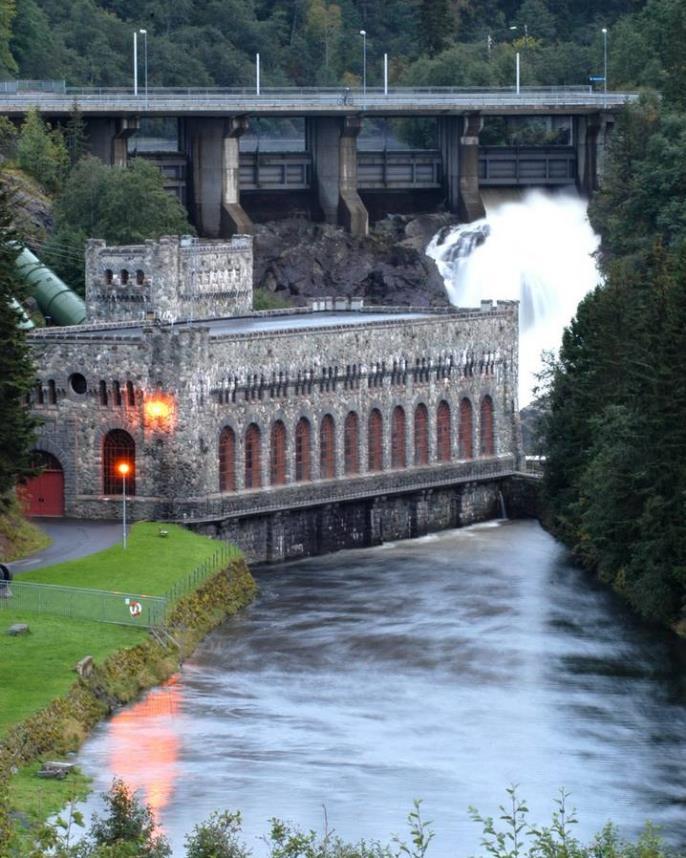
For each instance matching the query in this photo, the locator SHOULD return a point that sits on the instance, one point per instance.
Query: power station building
(289, 431)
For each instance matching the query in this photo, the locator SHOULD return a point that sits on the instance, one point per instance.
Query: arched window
(227, 460)
(140, 277)
(443, 433)
(103, 392)
(118, 448)
(40, 398)
(466, 430)
(277, 454)
(421, 435)
(123, 277)
(351, 444)
(398, 451)
(52, 392)
(303, 471)
(116, 392)
(375, 441)
(130, 394)
(108, 275)
(253, 457)
(327, 449)
(486, 433)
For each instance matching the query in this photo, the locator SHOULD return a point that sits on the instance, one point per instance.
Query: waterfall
(539, 250)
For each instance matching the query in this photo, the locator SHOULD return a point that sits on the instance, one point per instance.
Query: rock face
(302, 260)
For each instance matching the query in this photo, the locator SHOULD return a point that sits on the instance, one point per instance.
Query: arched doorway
(44, 493)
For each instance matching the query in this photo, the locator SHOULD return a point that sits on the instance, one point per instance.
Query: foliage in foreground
(127, 830)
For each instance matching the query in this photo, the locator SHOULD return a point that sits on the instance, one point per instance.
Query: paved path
(71, 538)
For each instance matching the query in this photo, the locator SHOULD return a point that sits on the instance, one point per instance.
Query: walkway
(71, 538)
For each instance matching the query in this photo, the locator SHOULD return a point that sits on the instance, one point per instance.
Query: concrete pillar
(108, 138)
(470, 204)
(214, 152)
(332, 142)
(587, 134)
(459, 143)
(449, 131)
(233, 217)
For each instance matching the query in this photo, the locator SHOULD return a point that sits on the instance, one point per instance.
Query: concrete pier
(332, 143)
(459, 144)
(213, 152)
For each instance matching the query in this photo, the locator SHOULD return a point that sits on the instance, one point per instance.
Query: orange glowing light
(144, 745)
(123, 468)
(158, 409)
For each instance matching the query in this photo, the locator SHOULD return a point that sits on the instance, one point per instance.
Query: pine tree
(16, 370)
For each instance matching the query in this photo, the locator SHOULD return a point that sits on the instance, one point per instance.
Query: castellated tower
(173, 279)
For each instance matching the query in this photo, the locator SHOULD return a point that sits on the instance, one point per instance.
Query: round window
(77, 382)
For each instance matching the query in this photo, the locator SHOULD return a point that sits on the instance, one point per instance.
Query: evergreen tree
(435, 26)
(16, 370)
(41, 152)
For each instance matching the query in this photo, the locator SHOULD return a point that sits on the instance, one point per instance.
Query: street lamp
(605, 60)
(135, 63)
(363, 33)
(123, 469)
(144, 33)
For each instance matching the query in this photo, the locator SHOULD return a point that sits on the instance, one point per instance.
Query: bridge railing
(270, 499)
(197, 99)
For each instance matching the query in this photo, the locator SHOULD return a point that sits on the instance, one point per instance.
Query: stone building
(236, 420)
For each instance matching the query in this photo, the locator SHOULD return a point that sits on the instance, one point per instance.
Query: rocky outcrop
(31, 208)
(303, 260)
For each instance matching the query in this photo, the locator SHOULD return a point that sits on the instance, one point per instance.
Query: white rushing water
(538, 250)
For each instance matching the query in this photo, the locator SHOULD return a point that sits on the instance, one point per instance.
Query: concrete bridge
(331, 178)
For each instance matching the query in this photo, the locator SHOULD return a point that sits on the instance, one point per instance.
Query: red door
(44, 494)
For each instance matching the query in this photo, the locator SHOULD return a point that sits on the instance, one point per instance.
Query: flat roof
(245, 325)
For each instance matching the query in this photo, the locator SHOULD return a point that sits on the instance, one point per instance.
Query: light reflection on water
(143, 745)
(443, 669)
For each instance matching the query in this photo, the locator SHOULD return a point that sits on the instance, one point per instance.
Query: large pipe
(55, 299)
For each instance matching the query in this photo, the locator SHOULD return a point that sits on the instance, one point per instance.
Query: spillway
(538, 248)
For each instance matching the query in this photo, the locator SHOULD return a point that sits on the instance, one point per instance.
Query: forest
(317, 42)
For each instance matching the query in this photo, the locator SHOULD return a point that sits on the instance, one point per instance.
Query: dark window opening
(351, 444)
(421, 435)
(227, 460)
(398, 452)
(327, 449)
(253, 457)
(443, 440)
(375, 441)
(119, 449)
(302, 451)
(277, 460)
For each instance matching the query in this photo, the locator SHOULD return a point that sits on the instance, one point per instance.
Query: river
(445, 668)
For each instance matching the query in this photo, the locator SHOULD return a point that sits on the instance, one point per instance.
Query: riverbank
(56, 716)
(18, 537)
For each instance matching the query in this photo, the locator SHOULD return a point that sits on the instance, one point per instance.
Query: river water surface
(446, 669)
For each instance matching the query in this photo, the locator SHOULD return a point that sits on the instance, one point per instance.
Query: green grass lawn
(36, 668)
(151, 564)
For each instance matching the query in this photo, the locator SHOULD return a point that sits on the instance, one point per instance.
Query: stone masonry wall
(235, 381)
(171, 279)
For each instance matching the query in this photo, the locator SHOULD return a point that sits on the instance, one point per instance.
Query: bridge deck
(312, 102)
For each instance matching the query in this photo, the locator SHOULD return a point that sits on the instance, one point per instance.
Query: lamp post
(363, 33)
(123, 469)
(135, 63)
(605, 60)
(144, 33)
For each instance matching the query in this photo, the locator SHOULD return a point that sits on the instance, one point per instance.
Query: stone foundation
(297, 533)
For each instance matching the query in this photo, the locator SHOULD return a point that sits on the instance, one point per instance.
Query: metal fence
(219, 560)
(77, 603)
(107, 606)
